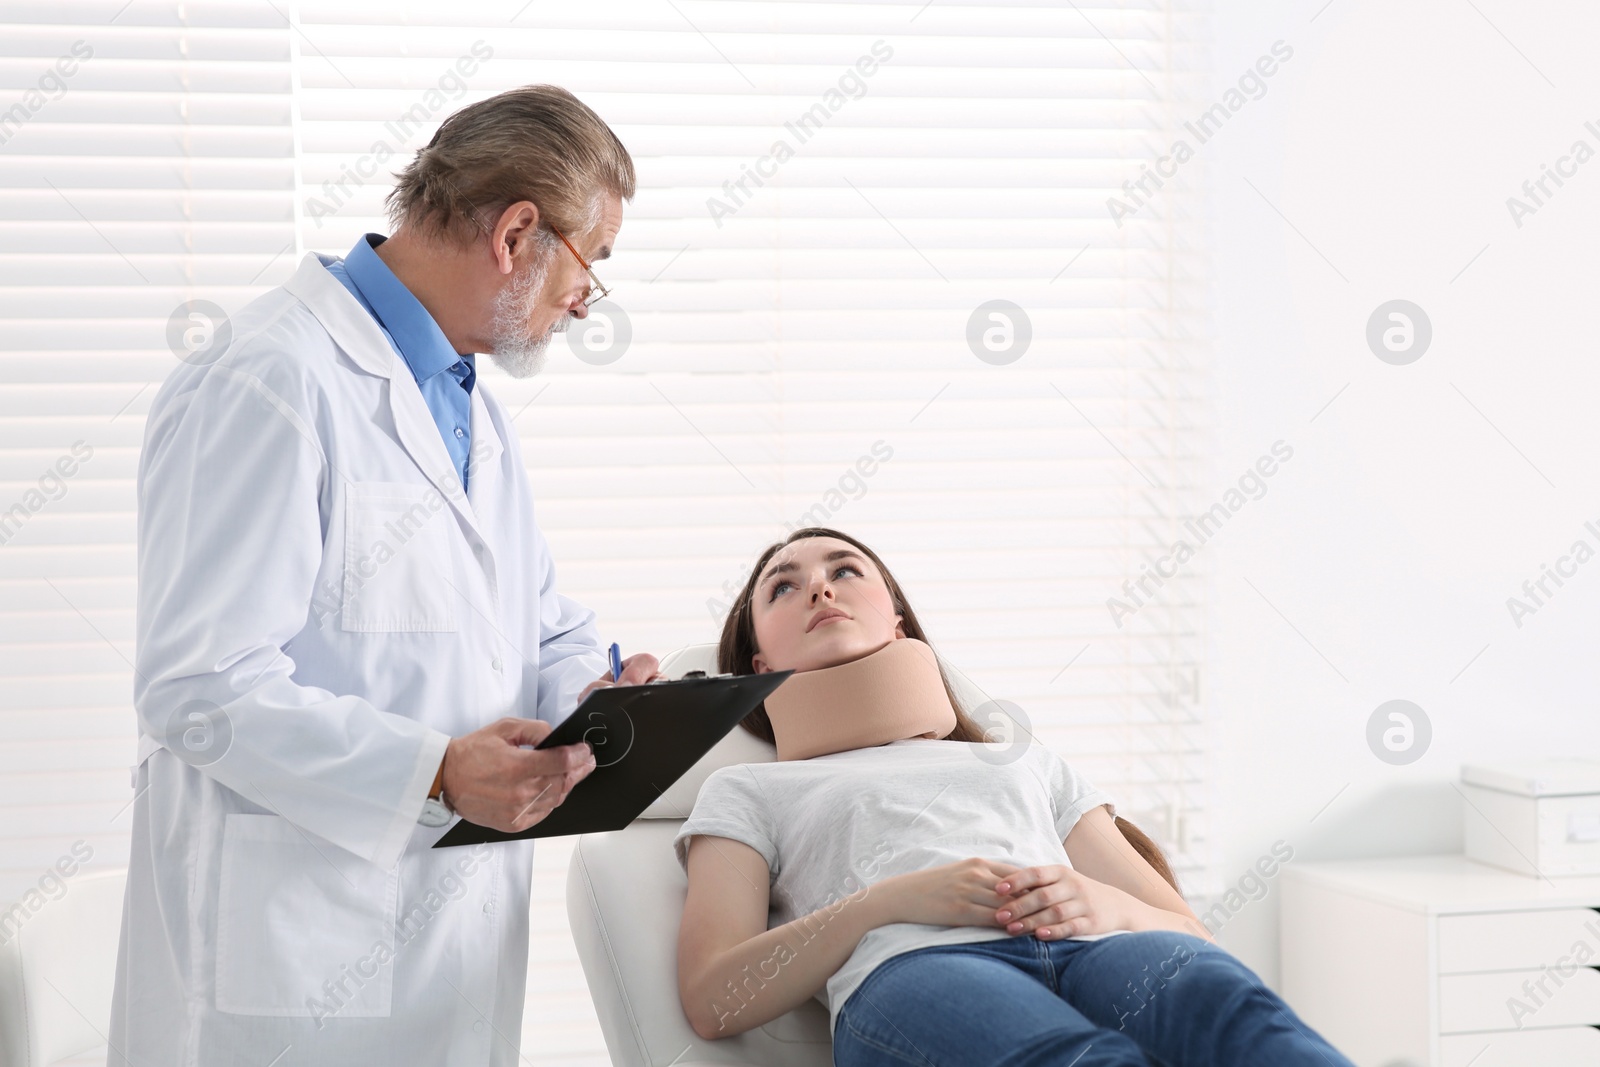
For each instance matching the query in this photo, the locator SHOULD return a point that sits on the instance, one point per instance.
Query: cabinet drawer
(1513, 940)
(1525, 1048)
(1482, 1002)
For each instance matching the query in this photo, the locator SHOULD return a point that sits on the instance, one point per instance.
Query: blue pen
(616, 662)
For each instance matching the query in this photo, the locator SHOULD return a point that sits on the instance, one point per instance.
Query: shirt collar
(420, 341)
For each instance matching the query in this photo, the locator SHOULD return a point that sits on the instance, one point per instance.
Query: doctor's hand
(490, 780)
(636, 670)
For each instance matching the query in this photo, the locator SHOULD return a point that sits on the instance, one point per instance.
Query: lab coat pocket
(303, 927)
(397, 564)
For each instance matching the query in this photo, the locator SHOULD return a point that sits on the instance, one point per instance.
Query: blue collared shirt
(444, 376)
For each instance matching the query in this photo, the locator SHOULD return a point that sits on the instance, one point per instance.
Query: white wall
(1424, 496)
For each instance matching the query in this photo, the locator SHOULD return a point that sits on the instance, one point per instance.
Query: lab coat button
(497, 664)
(488, 909)
(477, 1027)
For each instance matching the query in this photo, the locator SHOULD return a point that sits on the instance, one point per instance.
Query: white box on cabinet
(1540, 818)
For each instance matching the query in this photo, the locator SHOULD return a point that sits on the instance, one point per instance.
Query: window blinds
(871, 281)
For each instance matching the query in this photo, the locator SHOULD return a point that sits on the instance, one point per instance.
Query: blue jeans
(1144, 999)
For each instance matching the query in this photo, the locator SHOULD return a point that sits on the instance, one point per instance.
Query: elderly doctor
(348, 628)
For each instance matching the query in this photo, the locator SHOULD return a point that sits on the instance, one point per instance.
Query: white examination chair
(57, 969)
(625, 894)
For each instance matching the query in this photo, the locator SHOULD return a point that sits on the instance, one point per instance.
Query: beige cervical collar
(893, 694)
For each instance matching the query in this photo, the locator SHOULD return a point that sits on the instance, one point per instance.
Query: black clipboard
(645, 737)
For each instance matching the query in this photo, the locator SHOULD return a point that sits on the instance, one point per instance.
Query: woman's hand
(956, 894)
(1056, 901)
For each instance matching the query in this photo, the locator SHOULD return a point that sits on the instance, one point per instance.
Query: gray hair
(537, 142)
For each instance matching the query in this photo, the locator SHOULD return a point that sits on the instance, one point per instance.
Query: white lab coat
(320, 609)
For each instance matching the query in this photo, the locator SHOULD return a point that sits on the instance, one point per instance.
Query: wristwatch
(436, 811)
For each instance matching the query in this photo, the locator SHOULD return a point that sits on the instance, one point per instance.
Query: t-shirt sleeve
(1071, 794)
(730, 805)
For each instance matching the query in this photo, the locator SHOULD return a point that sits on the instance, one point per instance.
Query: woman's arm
(733, 973)
(1098, 850)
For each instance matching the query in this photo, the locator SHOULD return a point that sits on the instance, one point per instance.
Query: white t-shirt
(830, 825)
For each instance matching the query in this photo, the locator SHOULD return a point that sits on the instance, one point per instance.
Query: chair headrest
(741, 746)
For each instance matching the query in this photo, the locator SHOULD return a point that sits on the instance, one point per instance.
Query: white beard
(515, 348)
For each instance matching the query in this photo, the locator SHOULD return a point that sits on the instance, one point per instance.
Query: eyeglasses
(596, 290)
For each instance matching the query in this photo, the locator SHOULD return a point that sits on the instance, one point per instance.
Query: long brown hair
(736, 652)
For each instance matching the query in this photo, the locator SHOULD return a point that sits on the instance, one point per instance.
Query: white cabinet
(1443, 962)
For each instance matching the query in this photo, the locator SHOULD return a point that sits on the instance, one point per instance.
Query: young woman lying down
(952, 901)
